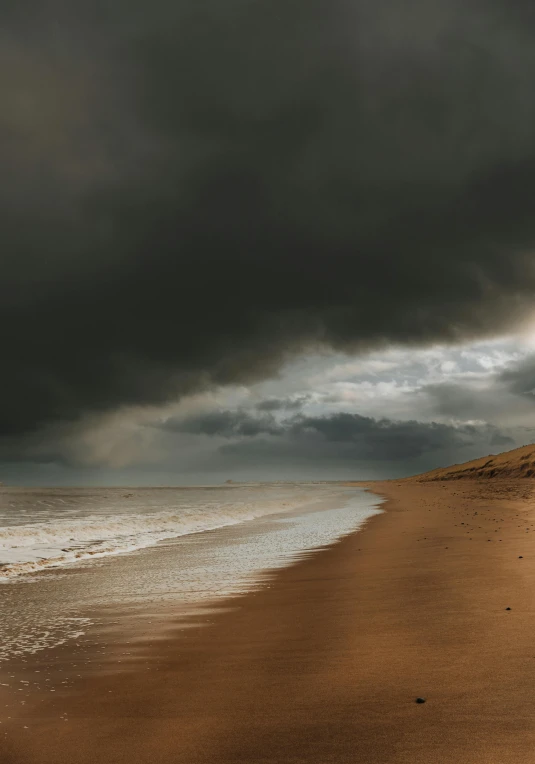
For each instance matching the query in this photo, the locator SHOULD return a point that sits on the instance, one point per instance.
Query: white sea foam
(66, 537)
(42, 529)
(27, 640)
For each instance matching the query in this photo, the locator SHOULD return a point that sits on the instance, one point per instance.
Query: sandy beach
(325, 664)
(267, 390)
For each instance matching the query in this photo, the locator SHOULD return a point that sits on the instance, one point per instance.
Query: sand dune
(519, 463)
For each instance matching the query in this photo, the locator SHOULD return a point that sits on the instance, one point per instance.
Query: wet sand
(325, 664)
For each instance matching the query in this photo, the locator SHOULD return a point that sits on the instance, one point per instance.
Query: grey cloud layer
(308, 424)
(341, 435)
(505, 396)
(193, 192)
(520, 379)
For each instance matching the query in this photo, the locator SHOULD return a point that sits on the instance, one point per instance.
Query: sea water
(66, 552)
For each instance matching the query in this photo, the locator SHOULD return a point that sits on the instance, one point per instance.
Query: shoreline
(324, 664)
(185, 575)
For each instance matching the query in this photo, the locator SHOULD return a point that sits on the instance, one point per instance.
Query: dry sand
(325, 665)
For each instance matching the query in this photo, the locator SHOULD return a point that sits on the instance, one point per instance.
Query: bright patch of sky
(472, 385)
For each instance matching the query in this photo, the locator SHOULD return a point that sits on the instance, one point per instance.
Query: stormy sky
(247, 239)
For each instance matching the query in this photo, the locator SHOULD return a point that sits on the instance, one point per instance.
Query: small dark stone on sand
(521, 557)
(420, 700)
(508, 608)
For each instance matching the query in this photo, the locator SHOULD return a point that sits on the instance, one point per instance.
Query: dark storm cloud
(393, 440)
(192, 192)
(520, 378)
(462, 401)
(348, 435)
(283, 404)
(227, 424)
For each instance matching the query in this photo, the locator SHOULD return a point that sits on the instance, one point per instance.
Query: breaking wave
(57, 542)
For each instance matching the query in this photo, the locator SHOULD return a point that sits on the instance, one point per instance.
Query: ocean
(67, 554)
